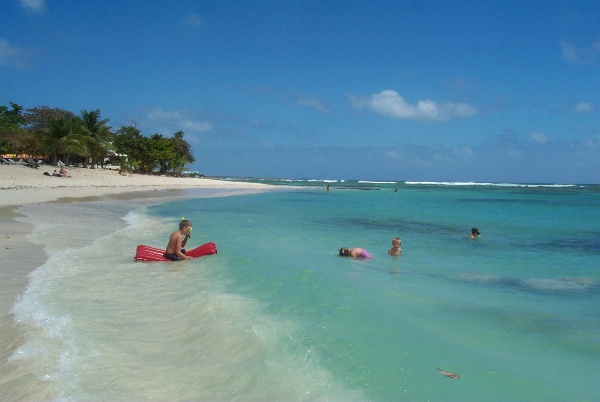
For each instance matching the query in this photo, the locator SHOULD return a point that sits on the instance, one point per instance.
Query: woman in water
(355, 252)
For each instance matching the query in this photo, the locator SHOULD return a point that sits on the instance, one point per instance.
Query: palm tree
(99, 131)
(47, 126)
(64, 136)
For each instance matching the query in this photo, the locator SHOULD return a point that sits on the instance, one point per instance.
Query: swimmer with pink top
(355, 252)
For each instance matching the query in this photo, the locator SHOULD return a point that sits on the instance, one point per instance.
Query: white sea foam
(450, 183)
(377, 182)
(104, 326)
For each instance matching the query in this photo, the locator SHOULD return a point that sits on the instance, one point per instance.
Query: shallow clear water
(277, 315)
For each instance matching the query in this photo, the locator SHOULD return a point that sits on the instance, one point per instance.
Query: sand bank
(24, 185)
(26, 192)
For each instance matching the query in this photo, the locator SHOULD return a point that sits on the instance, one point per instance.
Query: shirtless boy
(396, 243)
(177, 241)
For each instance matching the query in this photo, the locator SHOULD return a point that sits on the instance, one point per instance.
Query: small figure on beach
(355, 252)
(448, 374)
(63, 172)
(55, 173)
(396, 243)
(175, 248)
(474, 233)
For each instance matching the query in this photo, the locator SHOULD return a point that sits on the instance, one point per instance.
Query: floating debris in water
(448, 374)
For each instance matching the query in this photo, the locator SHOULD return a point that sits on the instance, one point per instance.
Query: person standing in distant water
(396, 243)
(328, 188)
(175, 248)
(474, 233)
(355, 252)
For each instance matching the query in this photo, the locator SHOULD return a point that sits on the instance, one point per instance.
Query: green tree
(97, 129)
(41, 117)
(11, 130)
(128, 142)
(162, 152)
(11, 118)
(65, 136)
(147, 161)
(42, 135)
(182, 148)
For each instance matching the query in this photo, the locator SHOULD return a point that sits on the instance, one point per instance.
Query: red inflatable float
(147, 253)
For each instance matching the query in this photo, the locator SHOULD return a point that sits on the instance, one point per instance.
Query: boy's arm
(178, 249)
(184, 242)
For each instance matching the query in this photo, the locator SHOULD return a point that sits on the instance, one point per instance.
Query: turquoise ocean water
(277, 315)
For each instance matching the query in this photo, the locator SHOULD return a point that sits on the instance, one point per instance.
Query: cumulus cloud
(180, 120)
(314, 103)
(584, 107)
(582, 55)
(36, 6)
(13, 56)
(193, 20)
(390, 103)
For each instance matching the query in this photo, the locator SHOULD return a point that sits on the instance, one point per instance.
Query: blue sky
(502, 91)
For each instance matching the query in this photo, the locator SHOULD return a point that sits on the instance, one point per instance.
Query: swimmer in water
(396, 243)
(175, 248)
(355, 252)
(474, 233)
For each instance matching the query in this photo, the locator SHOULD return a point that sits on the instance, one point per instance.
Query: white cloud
(464, 152)
(13, 56)
(162, 115)
(583, 55)
(539, 137)
(314, 103)
(394, 154)
(193, 20)
(180, 120)
(196, 126)
(584, 107)
(37, 6)
(390, 103)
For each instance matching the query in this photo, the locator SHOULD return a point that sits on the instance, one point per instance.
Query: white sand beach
(24, 185)
(22, 188)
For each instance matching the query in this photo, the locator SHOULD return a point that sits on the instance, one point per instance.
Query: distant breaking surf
(458, 183)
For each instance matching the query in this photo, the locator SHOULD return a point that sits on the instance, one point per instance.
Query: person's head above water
(475, 232)
(344, 252)
(186, 224)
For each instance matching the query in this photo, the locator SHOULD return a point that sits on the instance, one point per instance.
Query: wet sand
(22, 188)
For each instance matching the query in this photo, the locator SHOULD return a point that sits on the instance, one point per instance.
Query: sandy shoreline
(26, 193)
(22, 186)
